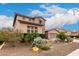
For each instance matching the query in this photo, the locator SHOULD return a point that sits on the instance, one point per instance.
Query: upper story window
(28, 26)
(40, 22)
(29, 19)
(23, 17)
(33, 19)
(35, 27)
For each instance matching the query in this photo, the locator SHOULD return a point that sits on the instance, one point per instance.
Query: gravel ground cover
(20, 49)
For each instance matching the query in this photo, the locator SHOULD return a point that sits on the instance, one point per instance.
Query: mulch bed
(21, 49)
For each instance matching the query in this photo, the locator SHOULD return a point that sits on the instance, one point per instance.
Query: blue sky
(62, 15)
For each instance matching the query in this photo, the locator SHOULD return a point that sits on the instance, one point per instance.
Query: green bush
(30, 36)
(42, 36)
(62, 36)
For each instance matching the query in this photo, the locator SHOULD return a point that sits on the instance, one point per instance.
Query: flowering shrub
(35, 49)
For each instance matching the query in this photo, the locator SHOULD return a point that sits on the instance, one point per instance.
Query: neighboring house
(52, 33)
(27, 24)
(68, 33)
(78, 32)
(74, 34)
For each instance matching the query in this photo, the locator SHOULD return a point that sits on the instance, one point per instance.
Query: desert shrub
(69, 39)
(62, 36)
(1, 39)
(41, 43)
(38, 41)
(30, 36)
(45, 46)
(9, 36)
(3, 36)
(19, 36)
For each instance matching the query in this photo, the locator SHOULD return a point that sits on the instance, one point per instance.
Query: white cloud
(49, 11)
(58, 16)
(6, 21)
(59, 20)
(35, 12)
(53, 9)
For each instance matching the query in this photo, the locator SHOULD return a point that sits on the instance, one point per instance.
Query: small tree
(62, 36)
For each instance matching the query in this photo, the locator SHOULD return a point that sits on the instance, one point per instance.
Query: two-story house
(26, 24)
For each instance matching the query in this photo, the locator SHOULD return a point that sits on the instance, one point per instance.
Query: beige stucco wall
(26, 19)
(20, 27)
(52, 34)
(23, 27)
(37, 21)
(52, 31)
(41, 29)
(19, 18)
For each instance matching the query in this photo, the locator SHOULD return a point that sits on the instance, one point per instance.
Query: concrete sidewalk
(76, 52)
(77, 41)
